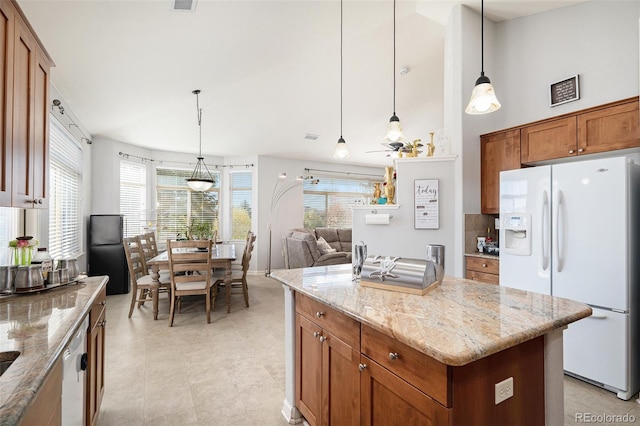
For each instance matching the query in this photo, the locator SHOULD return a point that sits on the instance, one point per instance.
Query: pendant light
(341, 150)
(200, 179)
(483, 98)
(394, 129)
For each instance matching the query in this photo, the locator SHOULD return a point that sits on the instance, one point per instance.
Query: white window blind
(178, 206)
(9, 230)
(65, 216)
(327, 203)
(133, 197)
(241, 183)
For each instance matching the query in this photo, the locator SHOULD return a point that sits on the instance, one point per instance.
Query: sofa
(304, 247)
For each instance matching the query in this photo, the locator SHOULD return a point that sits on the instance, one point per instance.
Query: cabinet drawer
(483, 277)
(343, 327)
(484, 265)
(97, 308)
(420, 370)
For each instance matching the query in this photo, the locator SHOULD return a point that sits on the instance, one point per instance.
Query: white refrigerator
(572, 230)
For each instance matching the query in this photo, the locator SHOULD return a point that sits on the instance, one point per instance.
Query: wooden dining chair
(153, 244)
(238, 278)
(141, 281)
(190, 271)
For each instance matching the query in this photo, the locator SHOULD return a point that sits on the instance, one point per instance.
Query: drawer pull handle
(581, 150)
(322, 339)
(362, 367)
(316, 334)
(393, 356)
(103, 323)
(319, 314)
(571, 151)
(484, 265)
(104, 302)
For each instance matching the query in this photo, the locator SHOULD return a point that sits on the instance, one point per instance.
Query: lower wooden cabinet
(96, 350)
(483, 269)
(46, 407)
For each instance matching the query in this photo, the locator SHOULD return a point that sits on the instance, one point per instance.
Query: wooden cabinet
(483, 269)
(46, 408)
(498, 152)
(607, 129)
(96, 350)
(327, 359)
(25, 114)
(549, 140)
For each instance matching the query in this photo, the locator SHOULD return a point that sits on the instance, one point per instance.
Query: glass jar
(21, 256)
(43, 258)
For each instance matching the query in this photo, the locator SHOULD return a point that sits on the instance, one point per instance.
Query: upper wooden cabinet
(498, 151)
(615, 127)
(545, 141)
(24, 177)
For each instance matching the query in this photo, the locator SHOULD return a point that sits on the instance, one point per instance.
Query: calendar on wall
(426, 204)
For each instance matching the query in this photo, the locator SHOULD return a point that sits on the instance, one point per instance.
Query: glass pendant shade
(394, 130)
(199, 180)
(341, 150)
(483, 98)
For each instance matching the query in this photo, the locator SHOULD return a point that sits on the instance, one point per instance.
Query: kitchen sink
(6, 359)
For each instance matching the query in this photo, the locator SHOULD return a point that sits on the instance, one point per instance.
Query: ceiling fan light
(394, 130)
(483, 98)
(341, 150)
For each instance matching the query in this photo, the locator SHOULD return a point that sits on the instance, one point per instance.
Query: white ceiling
(269, 71)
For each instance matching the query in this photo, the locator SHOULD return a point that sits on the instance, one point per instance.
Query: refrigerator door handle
(558, 233)
(544, 218)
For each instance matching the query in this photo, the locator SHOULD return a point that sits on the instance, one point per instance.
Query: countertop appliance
(74, 377)
(106, 253)
(572, 230)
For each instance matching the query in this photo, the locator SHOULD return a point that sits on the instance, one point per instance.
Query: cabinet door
(611, 128)
(309, 370)
(95, 376)
(341, 382)
(498, 152)
(549, 140)
(386, 399)
(6, 94)
(40, 158)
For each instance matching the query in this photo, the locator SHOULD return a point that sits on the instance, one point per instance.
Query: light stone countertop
(456, 323)
(39, 325)
(483, 255)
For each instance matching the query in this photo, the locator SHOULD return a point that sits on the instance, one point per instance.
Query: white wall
(400, 238)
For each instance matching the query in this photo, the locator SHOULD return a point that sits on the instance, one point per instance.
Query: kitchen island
(438, 357)
(39, 326)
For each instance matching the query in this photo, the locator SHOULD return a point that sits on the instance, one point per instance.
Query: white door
(596, 348)
(528, 192)
(589, 237)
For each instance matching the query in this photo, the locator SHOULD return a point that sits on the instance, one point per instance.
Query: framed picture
(564, 91)
(426, 204)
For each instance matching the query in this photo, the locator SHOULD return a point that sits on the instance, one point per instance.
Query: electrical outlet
(504, 390)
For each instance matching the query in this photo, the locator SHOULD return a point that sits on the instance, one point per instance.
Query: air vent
(187, 5)
(311, 137)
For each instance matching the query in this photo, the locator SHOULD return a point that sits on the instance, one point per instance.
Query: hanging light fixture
(200, 179)
(394, 129)
(341, 150)
(483, 98)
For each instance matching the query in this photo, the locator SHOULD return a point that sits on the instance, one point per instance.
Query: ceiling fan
(396, 147)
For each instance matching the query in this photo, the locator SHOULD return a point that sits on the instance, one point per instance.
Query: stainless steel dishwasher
(74, 377)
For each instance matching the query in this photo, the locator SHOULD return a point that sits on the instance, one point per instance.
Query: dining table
(221, 257)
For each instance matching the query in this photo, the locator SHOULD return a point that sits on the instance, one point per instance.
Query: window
(327, 203)
(65, 216)
(240, 204)
(9, 229)
(133, 197)
(179, 207)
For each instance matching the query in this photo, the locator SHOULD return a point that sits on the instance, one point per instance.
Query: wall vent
(311, 137)
(188, 5)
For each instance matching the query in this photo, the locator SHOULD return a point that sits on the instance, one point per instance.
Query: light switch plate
(504, 390)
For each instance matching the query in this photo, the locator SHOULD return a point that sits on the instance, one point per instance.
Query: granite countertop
(39, 325)
(483, 255)
(456, 323)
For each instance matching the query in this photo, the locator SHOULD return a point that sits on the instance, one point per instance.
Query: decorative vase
(377, 192)
(389, 187)
(21, 256)
(430, 146)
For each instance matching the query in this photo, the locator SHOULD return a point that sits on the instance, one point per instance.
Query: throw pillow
(324, 247)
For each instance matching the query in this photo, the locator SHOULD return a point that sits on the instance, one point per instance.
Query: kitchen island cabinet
(95, 357)
(439, 356)
(39, 326)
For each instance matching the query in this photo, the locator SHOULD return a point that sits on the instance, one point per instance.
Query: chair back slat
(189, 256)
(135, 258)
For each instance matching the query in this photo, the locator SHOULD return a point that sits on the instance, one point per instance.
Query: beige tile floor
(229, 372)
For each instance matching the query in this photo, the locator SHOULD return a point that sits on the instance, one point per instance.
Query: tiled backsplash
(475, 225)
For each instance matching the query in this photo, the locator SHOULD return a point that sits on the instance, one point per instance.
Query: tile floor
(229, 372)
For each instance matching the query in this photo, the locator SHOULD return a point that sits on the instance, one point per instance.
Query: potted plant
(198, 230)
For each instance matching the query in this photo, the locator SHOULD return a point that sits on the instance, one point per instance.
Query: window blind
(327, 203)
(241, 183)
(133, 198)
(65, 187)
(178, 206)
(9, 230)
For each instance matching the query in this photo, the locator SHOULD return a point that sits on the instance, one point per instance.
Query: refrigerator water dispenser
(517, 234)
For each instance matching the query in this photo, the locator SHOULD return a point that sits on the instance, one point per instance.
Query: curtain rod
(83, 138)
(217, 166)
(339, 172)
